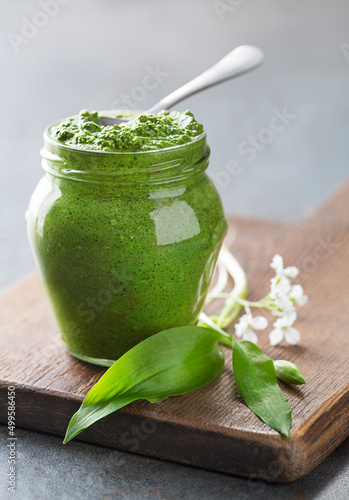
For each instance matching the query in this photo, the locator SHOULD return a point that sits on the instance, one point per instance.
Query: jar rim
(153, 166)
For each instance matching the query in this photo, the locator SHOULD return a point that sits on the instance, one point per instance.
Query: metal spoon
(239, 61)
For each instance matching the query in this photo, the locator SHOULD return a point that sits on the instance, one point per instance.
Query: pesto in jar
(146, 132)
(126, 228)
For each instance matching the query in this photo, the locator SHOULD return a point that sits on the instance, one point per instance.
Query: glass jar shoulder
(163, 214)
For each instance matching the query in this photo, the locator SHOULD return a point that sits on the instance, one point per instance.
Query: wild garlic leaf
(255, 377)
(170, 363)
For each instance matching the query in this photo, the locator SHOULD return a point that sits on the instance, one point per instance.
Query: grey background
(88, 55)
(91, 53)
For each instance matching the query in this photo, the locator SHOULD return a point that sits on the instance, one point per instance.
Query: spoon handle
(240, 60)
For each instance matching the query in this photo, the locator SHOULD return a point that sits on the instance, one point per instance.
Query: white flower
(278, 264)
(284, 305)
(246, 325)
(297, 295)
(283, 295)
(284, 329)
(281, 284)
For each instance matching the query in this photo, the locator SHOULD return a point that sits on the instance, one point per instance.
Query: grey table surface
(49, 470)
(62, 56)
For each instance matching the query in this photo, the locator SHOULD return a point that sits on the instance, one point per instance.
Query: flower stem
(246, 303)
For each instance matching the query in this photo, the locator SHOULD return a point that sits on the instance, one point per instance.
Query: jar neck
(162, 166)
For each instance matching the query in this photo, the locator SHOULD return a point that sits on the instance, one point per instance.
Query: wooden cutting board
(211, 427)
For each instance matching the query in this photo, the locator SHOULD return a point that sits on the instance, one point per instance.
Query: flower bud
(288, 372)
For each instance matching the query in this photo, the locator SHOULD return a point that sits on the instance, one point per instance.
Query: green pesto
(126, 242)
(146, 132)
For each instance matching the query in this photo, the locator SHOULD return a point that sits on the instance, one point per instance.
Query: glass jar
(126, 243)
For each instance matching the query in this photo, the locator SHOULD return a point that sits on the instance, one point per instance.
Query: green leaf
(170, 363)
(288, 372)
(255, 377)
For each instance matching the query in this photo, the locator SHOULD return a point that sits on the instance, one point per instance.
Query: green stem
(225, 338)
(233, 315)
(227, 341)
(232, 307)
(263, 303)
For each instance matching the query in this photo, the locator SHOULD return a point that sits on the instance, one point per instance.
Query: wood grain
(210, 428)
